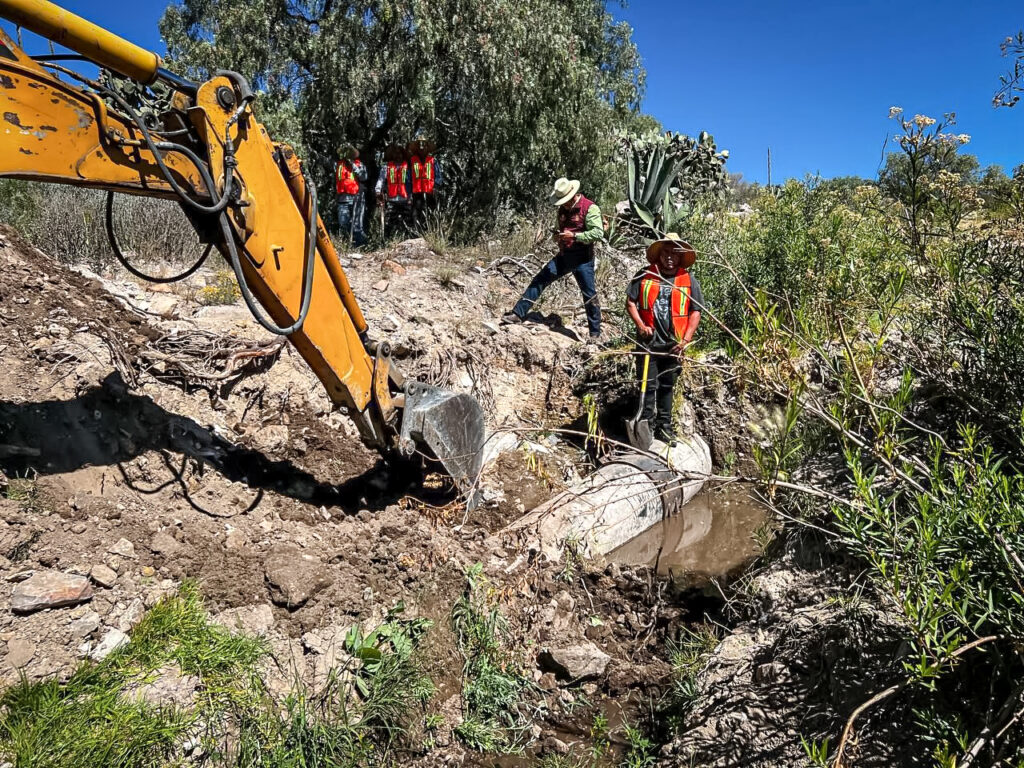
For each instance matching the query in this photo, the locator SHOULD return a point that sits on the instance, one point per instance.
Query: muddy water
(711, 537)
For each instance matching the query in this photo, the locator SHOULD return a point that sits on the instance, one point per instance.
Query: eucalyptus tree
(514, 92)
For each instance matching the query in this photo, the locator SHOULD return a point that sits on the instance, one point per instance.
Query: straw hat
(675, 242)
(564, 191)
(421, 147)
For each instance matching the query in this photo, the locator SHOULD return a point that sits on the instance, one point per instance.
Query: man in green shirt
(579, 227)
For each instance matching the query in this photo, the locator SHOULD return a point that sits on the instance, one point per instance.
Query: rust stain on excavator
(6, 82)
(25, 151)
(13, 119)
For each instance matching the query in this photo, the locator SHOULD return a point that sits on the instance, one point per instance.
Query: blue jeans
(350, 220)
(558, 267)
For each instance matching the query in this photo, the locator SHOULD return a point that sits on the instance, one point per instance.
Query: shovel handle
(647, 366)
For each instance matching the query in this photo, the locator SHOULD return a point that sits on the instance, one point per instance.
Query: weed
(25, 491)
(90, 721)
(600, 737)
(688, 654)
(492, 685)
(223, 289)
(765, 534)
(729, 462)
(572, 558)
(640, 750)
(436, 232)
(447, 275)
(817, 752)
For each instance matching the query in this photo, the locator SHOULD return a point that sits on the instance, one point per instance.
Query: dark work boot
(667, 435)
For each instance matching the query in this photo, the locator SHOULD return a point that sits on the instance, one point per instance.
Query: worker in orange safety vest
(426, 177)
(394, 188)
(349, 185)
(664, 301)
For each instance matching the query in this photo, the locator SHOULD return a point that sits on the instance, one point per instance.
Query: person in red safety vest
(394, 187)
(349, 185)
(664, 300)
(426, 177)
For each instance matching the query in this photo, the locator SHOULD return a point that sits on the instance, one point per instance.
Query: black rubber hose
(307, 280)
(229, 160)
(116, 248)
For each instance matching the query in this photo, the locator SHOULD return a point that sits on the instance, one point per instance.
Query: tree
(514, 92)
(921, 176)
(1012, 83)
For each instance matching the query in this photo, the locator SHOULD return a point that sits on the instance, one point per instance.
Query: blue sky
(812, 80)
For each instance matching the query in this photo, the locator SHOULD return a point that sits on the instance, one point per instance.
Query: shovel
(637, 429)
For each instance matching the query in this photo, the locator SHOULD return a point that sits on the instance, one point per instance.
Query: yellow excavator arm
(245, 194)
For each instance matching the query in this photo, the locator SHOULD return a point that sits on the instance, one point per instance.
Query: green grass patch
(493, 684)
(90, 721)
(95, 720)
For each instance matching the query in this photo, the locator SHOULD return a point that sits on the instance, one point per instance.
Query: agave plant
(666, 175)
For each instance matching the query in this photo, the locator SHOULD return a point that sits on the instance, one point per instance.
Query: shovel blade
(639, 433)
(449, 425)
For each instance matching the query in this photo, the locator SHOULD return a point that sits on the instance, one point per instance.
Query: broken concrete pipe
(627, 495)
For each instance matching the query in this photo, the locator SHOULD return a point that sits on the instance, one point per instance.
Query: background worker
(426, 177)
(664, 300)
(394, 187)
(579, 227)
(350, 184)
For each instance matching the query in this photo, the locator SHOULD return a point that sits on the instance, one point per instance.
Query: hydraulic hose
(218, 208)
(121, 257)
(307, 278)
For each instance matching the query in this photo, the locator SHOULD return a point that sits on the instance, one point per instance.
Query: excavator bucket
(450, 425)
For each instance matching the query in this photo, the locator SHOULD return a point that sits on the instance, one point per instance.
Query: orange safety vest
(345, 182)
(650, 286)
(423, 175)
(397, 174)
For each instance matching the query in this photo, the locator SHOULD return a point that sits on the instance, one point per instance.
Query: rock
(553, 746)
(413, 247)
(103, 576)
(20, 652)
(248, 619)
(165, 306)
(14, 578)
(82, 627)
(164, 544)
(124, 548)
(235, 539)
(393, 267)
(575, 662)
(381, 285)
(148, 571)
(112, 640)
(132, 615)
(293, 576)
(170, 688)
(50, 589)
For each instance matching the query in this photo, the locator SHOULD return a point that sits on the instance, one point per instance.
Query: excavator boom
(245, 194)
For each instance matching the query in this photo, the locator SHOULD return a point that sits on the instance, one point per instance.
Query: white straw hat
(564, 191)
